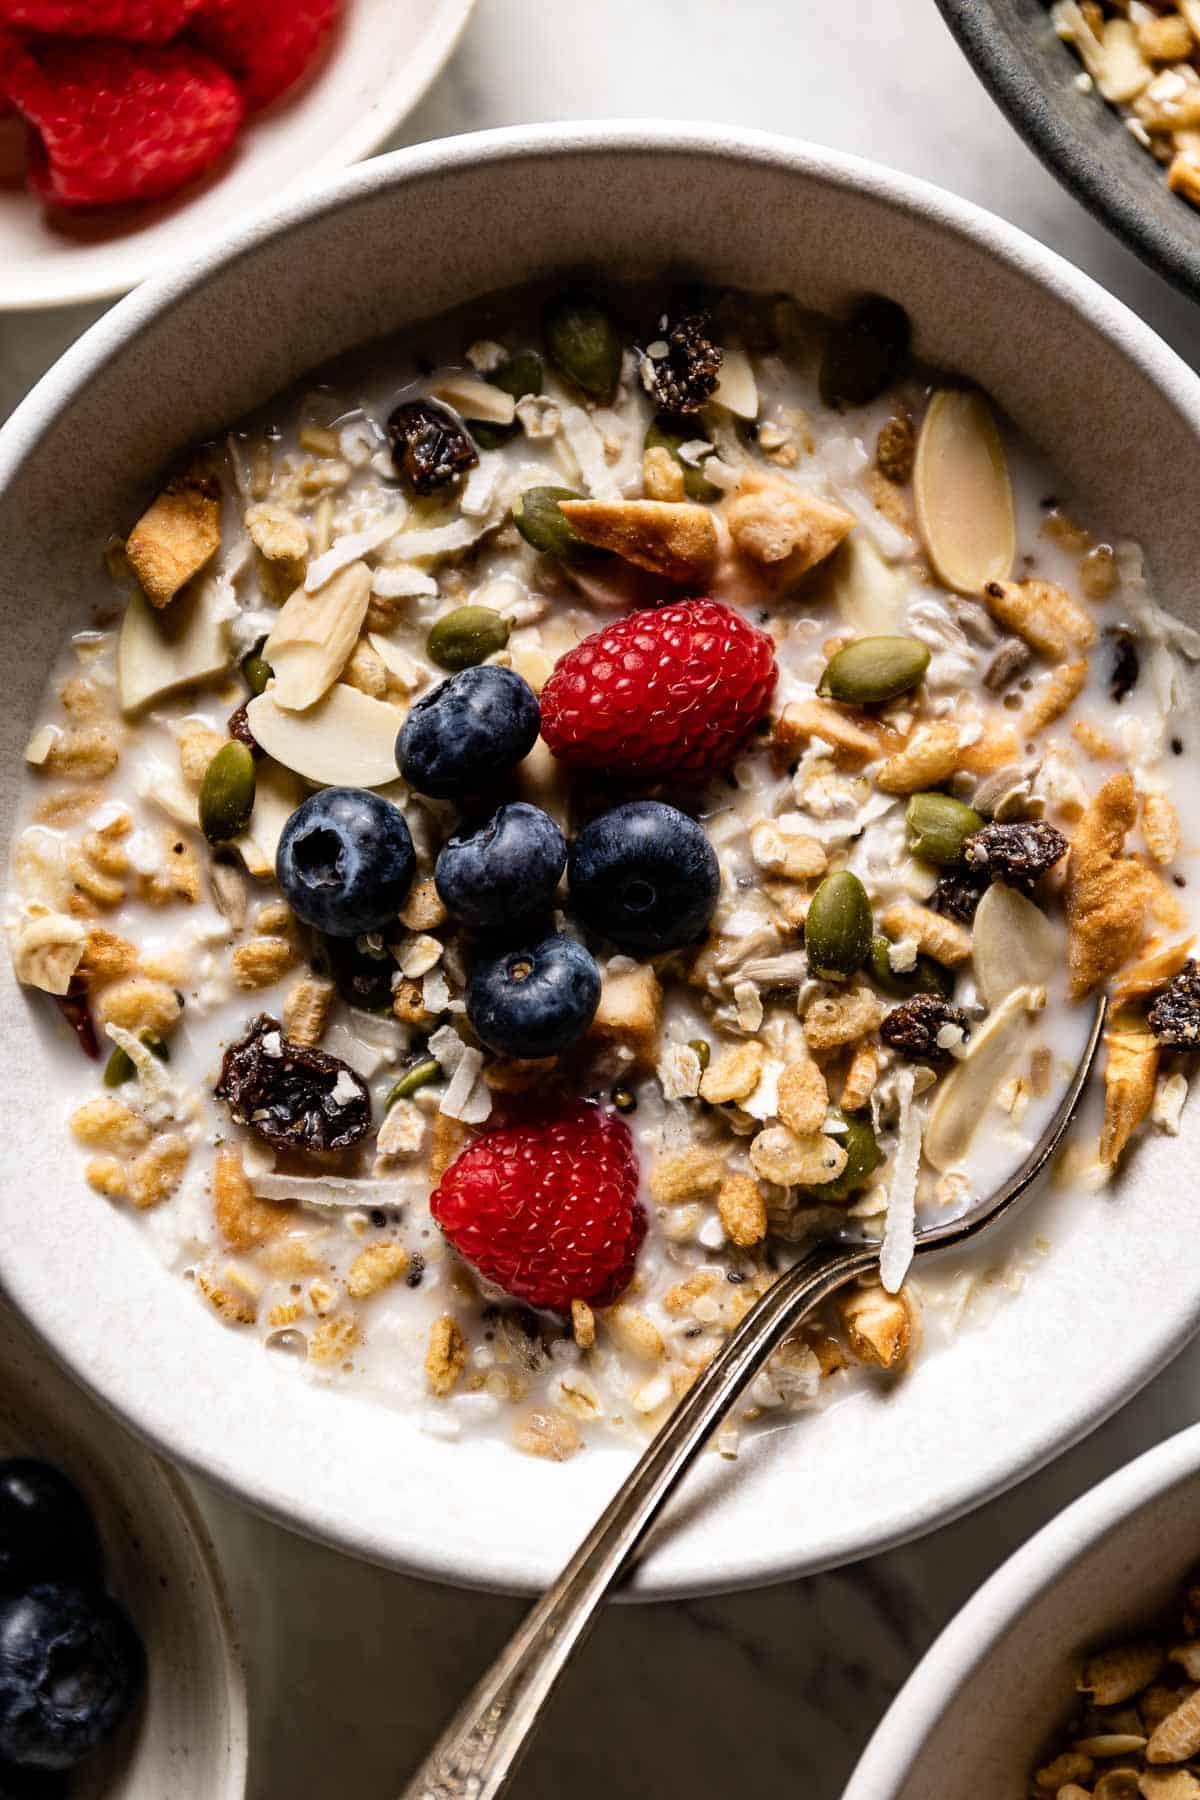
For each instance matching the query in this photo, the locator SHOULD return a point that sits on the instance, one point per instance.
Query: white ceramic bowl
(993, 1689)
(188, 1737)
(388, 244)
(385, 55)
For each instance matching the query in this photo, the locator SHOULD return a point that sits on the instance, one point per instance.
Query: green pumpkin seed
(937, 825)
(227, 793)
(865, 352)
(863, 1157)
(520, 375)
(584, 346)
(703, 1050)
(256, 670)
(925, 977)
(120, 1066)
(837, 928)
(662, 435)
(539, 519)
(413, 1080)
(872, 670)
(466, 636)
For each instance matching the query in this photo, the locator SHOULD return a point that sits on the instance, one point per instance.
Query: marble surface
(352, 1670)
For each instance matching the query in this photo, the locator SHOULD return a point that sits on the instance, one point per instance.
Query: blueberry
(645, 876)
(534, 1001)
(504, 872)
(469, 730)
(45, 1525)
(71, 1667)
(345, 861)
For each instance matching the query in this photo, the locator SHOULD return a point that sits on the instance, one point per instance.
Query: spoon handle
(477, 1754)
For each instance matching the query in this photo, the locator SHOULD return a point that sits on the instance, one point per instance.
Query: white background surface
(352, 1671)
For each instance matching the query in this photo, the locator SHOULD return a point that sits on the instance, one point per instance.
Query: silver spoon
(478, 1752)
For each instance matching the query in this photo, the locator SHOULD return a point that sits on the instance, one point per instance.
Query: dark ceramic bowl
(1029, 71)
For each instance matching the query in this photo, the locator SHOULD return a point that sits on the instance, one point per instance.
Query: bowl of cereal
(1073, 1670)
(1108, 97)
(519, 833)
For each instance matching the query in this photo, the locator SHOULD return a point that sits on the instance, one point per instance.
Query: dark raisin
(1018, 854)
(238, 726)
(896, 449)
(912, 1028)
(1126, 666)
(429, 446)
(958, 893)
(294, 1097)
(1175, 1015)
(687, 376)
(73, 1005)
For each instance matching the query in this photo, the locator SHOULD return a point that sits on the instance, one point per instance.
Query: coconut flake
(400, 582)
(467, 1097)
(348, 549)
(900, 1230)
(441, 540)
(588, 448)
(480, 490)
(330, 1191)
(679, 1072)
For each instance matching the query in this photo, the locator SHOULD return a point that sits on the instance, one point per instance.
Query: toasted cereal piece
(89, 877)
(1092, 741)
(1155, 1703)
(1165, 38)
(836, 1019)
(583, 1324)
(1071, 1766)
(1178, 1736)
(375, 1268)
(81, 698)
(803, 1097)
(177, 876)
(794, 855)
(198, 744)
(1160, 826)
(89, 753)
(996, 749)
(1105, 897)
(630, 1011)
(691, 1174)
(942, 938)
(408, 1003)
(779, 1155)
(155, 1175)
(675, 539)
(1053, 696)
(1161, 1784)
(244, 1220)
(263, 961)
(929, 758)
(139, 1004)
(775, 523)
(447, 1138)
(547, 1433)
(1166, 908)
(852, 737)
(891, 500)
(662, 477)
(177, 534)
(881, 1327)
(446, 1357)
(292, 1255)
(1043, 614)
(1153, 969)
(1129, 1077)
(860, 1079)
(423, 909)
(306, 1008)
(1183, 175)
(228, 1295)
(679, 1300)
(1117, 1674)
(634, 1332)
(733, 1074)
(277, 533)
(107, 1175)
(742, 1211)
(334, 1338)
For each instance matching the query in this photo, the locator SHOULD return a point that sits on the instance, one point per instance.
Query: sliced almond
(160, 652)
(962, 491)
(314, 635)
(671, 538)
(737, 388)
(866, 593)
(277, 794)
(1013, 944)
(346, 740)
(476, 399)
(968, 1091)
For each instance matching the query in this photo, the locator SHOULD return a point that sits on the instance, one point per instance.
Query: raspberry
(268, 44)
(117, 123)
(146, 21)
(671, 692)
(548, 1208)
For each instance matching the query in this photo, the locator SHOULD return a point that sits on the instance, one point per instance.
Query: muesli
(564, 811)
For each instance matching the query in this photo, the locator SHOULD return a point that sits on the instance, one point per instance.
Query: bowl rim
(362, 135)
(966, 1642)
(1174, 254)
(505, 1568)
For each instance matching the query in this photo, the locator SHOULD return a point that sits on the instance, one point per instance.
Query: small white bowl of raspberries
(134, 132)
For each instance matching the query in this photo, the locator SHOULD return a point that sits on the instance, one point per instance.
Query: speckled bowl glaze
(1030, 73)
(188, 1737)
(989, 1695)
(389, 244)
